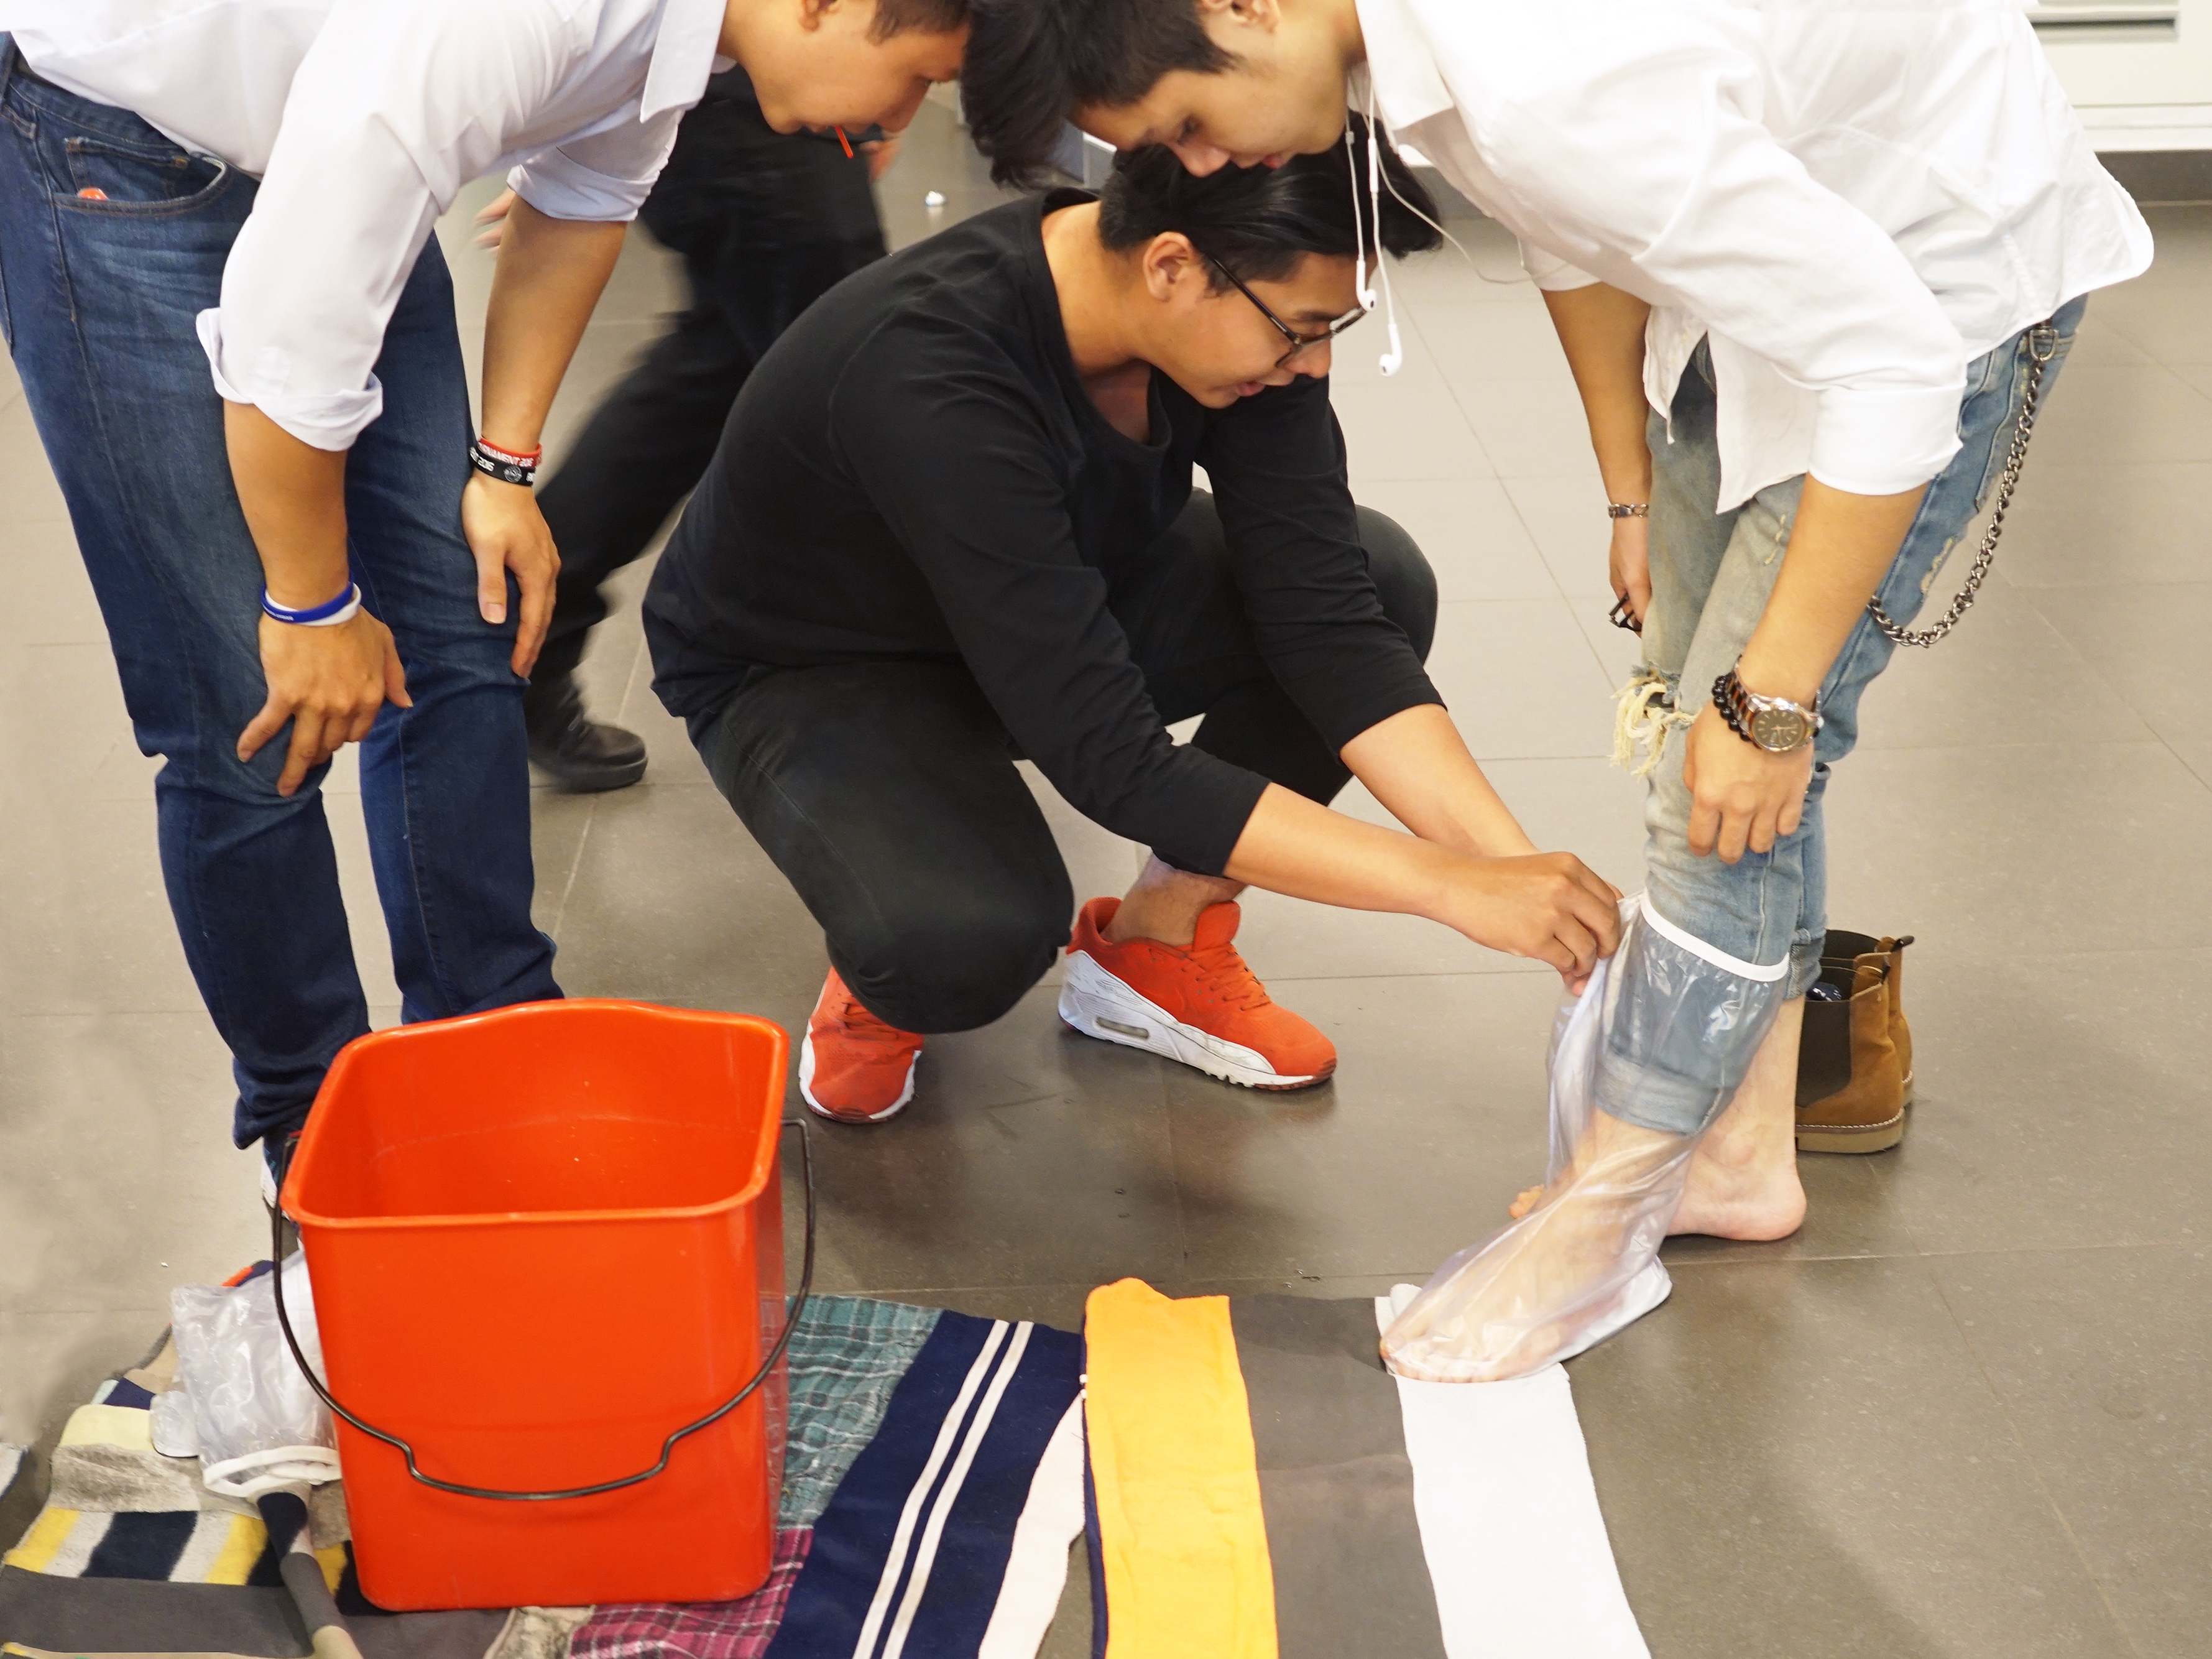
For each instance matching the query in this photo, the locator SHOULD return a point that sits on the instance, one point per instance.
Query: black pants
(767, 223)
(886, 790)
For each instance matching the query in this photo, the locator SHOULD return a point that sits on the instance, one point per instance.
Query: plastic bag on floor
(1641, 1062)
(254, 1422)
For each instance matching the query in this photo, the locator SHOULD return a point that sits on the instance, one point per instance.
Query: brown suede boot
(1844, 949)
(1851, 1088)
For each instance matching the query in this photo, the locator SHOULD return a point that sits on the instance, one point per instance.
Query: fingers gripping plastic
(1641, 1062)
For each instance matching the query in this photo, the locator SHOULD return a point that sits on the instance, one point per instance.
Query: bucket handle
(667, 1446)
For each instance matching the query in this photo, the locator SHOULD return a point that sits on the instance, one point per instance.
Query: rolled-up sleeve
(393, 109)
(1549, 272)
(605, 177)
(1629, 130)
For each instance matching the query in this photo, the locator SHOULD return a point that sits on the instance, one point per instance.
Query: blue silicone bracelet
(314, 613)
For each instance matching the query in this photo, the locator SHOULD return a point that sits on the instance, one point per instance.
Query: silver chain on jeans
(2042, 344)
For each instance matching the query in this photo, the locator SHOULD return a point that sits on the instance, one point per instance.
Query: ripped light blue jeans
(1683, 1036)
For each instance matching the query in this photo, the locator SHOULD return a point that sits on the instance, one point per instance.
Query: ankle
(1165, 905)
(1749, 1144)
(1176, 925)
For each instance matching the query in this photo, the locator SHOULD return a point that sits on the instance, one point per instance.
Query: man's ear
(1266, 14)
(813, 13)
(1170, 264)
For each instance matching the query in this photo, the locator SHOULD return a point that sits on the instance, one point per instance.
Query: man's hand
(491, 218)
(1740, 795)
(329, 683)
(507, 532)
(881, 153)
(1547, 906)
(1629, 567)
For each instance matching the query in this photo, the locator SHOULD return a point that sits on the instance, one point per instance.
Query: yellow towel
(1181, 1538)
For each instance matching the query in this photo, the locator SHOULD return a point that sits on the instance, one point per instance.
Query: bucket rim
(766, 1153)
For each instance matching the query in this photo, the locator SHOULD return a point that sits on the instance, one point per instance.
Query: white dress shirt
(1853, 198)
(363, 119)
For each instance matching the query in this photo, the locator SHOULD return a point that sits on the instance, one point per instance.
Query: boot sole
(593, 780)
(1095, 1003)
(1868, 1138)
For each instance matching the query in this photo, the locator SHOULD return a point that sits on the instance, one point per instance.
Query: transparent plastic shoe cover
(1642, 1062)
(257, 1424)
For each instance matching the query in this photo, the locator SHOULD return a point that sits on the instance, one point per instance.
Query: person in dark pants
(953, 519)
(235, 332)
(767, 223)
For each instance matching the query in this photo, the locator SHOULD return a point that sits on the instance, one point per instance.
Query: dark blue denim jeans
(97, 300)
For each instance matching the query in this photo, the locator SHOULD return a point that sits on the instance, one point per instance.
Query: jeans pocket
(108, 175)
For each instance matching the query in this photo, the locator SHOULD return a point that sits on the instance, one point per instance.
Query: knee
(1402, 576)
(961, 962)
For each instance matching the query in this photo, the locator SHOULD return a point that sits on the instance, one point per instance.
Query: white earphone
(1395, 359)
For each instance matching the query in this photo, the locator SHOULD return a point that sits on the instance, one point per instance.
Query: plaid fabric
(713, 1630)
(121, 1511)
(847, 1356)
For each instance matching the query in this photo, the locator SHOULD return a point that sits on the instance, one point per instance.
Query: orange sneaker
(853, 1067)
(1199, 1005)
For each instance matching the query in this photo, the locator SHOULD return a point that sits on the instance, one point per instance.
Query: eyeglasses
(1298, 342)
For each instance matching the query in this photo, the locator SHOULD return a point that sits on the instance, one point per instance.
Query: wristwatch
(1774, 724)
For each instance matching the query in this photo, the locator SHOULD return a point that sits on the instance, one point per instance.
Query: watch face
(1779, 729)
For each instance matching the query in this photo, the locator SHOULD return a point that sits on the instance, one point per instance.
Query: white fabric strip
(1509, 1521)
(934, 1532)
(1036, 1571)
(76, 1553)
(895, 1559)
(1712, 953)
(210, 1533)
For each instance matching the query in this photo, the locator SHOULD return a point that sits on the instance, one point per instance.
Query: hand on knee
(1742, 797)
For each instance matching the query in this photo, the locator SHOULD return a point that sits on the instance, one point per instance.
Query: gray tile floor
(1965, 1411)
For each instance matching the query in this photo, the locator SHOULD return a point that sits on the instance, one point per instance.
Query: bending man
(1808, 263)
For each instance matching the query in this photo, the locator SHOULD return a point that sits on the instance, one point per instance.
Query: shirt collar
(683, 56)
(1402, 65)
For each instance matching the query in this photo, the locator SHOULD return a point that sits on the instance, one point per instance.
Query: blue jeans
(97, 301)
(1711, 573)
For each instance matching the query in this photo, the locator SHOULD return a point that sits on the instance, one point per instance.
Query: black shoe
(577, 752)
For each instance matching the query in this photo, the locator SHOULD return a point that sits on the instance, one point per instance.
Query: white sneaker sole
(1096, 1004)
(807, 1089)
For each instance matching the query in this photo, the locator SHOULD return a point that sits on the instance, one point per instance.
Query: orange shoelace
(1226, 976)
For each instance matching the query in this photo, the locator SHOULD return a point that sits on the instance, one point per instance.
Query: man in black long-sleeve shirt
(953, 519)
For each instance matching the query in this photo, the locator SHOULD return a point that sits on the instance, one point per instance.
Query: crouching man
(953, 521)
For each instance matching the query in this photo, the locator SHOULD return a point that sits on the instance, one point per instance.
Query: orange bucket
(543, 1242)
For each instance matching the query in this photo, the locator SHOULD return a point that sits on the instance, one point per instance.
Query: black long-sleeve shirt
(915, 470)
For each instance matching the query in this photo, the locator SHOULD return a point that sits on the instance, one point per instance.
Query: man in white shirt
(236, 335)
(1810, 264)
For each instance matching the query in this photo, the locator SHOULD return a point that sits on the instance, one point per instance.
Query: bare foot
(1757, 1199)
(1733, 1192)
(1572, 1270)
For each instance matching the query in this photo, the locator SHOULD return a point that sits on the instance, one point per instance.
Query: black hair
(929, 16)
(1259, 221)
(1031, 63)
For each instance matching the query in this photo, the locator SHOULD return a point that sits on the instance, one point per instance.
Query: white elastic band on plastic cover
(1712, 953)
